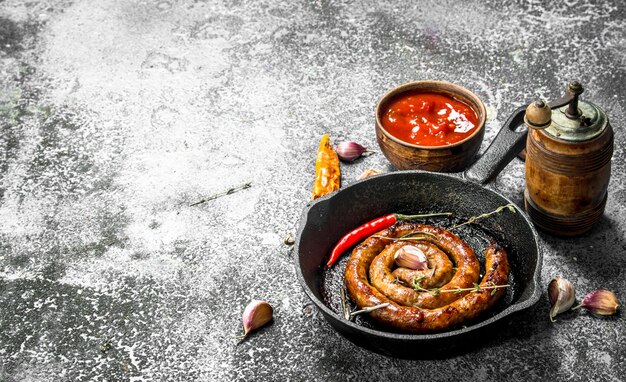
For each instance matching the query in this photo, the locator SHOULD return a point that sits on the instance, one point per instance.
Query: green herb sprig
(510, 207)
(458, 290)
(411, 236)
(229, 191)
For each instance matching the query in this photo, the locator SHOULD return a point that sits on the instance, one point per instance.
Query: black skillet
(327, 219)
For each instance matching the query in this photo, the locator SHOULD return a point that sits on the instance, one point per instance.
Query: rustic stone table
(116, 116)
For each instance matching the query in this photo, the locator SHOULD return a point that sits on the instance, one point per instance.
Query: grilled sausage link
(458, 307)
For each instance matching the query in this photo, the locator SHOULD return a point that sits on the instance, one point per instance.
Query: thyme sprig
(422, 216)
(345, 307)
(474, 219)
(458, 290)
(369, 309)
(411, 236)
(398, 281)
(229, 191)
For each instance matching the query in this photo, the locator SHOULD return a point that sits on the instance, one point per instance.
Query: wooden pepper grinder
(568, 163)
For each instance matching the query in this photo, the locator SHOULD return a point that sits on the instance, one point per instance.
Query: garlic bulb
(562, 295)
(256, 314)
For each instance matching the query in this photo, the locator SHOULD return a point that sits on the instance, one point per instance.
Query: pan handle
(506, 145)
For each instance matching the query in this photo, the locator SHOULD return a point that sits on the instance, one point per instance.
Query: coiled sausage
(423, 312)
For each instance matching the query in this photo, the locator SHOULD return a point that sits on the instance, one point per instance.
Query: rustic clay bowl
(449, 158)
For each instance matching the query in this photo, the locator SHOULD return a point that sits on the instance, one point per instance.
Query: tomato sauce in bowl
(430, 125)
(429, 119)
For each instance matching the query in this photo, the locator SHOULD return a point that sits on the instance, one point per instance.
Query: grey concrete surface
(116, 115)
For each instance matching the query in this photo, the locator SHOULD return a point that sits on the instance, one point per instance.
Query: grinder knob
(538, 115)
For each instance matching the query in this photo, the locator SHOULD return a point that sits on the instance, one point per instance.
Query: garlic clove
(602, 302)
(562, 294)
(256, 314)
(409, 256)
(349, 151)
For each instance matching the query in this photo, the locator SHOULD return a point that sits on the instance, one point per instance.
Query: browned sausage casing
(428, 313)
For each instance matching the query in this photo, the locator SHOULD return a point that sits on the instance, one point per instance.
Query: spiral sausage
(423, 312)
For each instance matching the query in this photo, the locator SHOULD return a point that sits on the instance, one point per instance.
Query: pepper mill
(568, 163)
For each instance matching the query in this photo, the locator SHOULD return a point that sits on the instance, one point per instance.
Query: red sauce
(429, 119)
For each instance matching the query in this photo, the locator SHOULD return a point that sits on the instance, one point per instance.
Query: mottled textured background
(116, 115)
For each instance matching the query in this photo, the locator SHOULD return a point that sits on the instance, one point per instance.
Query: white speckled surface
(116, 115)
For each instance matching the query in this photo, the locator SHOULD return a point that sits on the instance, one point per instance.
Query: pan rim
(531, 300)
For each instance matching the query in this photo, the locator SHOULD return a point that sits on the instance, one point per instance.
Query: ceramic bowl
(449, 158)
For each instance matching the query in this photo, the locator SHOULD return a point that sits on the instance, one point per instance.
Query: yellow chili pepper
(327, 174)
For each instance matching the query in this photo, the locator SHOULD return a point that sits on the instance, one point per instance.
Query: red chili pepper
(369, 228)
